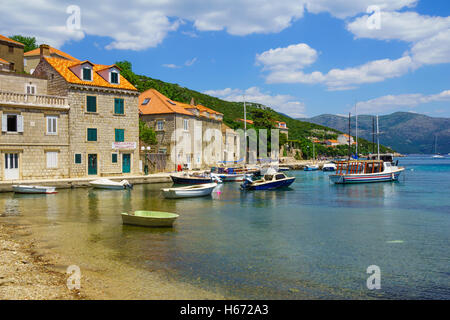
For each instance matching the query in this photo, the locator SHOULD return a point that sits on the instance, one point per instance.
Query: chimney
(192, 102)
(45, 50)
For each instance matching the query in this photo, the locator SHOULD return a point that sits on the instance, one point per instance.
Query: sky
(300, 57)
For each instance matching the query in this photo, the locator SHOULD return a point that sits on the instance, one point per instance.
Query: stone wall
(56, 85)
(12, 82)
(16, 56)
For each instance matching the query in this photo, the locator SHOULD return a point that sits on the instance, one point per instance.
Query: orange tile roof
(159, 104)
(248, 121)
(37, 52)
(3, 38)
(333, 141)
(3, 61)
(203, 108)
(62, 66)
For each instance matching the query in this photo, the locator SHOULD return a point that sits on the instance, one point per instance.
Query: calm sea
(313, 240)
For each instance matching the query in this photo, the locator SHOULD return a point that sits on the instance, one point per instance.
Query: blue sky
(301, 57)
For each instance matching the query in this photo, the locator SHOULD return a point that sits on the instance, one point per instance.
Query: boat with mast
(436, 154)
(363, 171)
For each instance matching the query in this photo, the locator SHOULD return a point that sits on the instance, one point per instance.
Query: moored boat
(363, 171)
(33, 189)
(191, 179)
(282, 169)
(109, 184)
(233, 177)
(198, 190)
(329, 167)
(149, 218)
(311, 167)
(271, 180)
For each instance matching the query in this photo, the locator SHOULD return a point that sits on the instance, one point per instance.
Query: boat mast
(356, 114)
(245, 132)
(378, 140)
(349, 136)
(373, 135)
(435, 144)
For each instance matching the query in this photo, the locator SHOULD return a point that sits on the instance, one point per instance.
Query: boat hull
(108, 187)
(176, 193)
(190, 180)
(33, 189)
(365, 178)
(148, 221)
(270, 185)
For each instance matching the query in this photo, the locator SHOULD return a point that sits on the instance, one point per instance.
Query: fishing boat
(363, 171)
(191, 179)
(271, 180)
(329, 167)
(111, 185)
(149, 218)
(311, 167)
(198, 190)
(33, 189)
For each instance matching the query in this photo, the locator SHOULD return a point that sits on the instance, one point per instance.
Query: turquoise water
(313, 240)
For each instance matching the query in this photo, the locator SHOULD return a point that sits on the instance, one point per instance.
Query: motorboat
(311, 167)
(231, 177)
(33, 189)
(438, 156)
(191, 179)
(198, 190)
(111, 185)
(329, 167)
(149, 218)
(362, 171)
(271, 180)
(283, 169)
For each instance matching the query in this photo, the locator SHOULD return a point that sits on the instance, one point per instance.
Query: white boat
(363, 171)
(33, 189)
(438, 156)
(199, 190)
(311, 167)
(109, 184)
(232, 177)
(149, 218)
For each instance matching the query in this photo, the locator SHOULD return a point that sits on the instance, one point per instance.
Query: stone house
(11, 55)
(103, 115)
(282, 127)
(344, 138)
(33, 57)
(34, 140)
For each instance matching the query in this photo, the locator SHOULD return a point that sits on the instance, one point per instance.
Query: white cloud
(392, 102)
(171, 66)
(293, 57)
(433, 50)
(189, 63)
(282, 103)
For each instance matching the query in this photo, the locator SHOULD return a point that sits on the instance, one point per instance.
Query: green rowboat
(149, 218)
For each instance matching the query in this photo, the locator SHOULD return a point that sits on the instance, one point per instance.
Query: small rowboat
(191, 179)
(33, 189)
(149, 218)
(111, 185)
(199, 190)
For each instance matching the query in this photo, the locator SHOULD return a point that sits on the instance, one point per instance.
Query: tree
(28, 42)
(146, 134)
(127, 72)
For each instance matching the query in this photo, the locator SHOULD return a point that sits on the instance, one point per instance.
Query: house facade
(103, 116)
(34, 141)
(33, 57)
(11, 55)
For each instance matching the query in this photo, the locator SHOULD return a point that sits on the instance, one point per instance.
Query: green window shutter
(114, 158)
(87, 74)
(92, 134)
(114, 77)
(78, 158)
(120, 135)
(91, 103)
(118, 106)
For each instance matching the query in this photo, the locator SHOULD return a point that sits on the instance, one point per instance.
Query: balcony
(30, 100)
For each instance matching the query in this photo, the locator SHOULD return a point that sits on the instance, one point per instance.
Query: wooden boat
(198, 190)
(33, 189)
(362, 171)
(329, 167)
(109, 184)
(149, 218)
(191, 179)
(311, 167)
(271, 180)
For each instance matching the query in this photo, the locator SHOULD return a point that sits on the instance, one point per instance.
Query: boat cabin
(386, 157)
(361, 167)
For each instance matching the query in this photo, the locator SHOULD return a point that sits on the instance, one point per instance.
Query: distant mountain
(405, 132)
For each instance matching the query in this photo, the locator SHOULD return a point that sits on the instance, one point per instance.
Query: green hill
(299, 131)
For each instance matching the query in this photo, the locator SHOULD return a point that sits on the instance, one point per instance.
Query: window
(114, 158)
(163, 150)
(114, 77)
(52, 159)
(77, 158)
(12, 123)
(279, 176)
(186, 124)
(87, 74)
(30, 89)
(91, 103)
(91, 134)
(119, 135)
(146, 101)
(118, 106)
(52, 124)
(160, 125)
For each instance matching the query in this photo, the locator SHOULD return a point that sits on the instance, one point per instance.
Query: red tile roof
(62, 66)
(160, 104)
(248, 121)
(3, 38)
(3, 61)
(37, 52)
